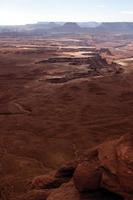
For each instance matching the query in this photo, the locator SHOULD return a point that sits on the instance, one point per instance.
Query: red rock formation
(109, 167)
(55, 178)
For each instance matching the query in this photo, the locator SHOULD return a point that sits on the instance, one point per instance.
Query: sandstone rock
(87, 176)
(46, 182)
(111, 168)
(105, 172)
(124, 151)
(53, 180)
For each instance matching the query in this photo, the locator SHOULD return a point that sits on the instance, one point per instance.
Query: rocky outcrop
(92, 66)
(65, 60)
(111, 168)
(55, 178)
(94, 60)
(105, 172)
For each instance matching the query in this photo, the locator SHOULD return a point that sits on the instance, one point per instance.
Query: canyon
(62, 97)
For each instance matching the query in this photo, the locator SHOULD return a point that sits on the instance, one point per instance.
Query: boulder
(87, 176)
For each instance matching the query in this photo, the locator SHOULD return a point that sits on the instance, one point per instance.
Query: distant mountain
(117, 26)
(69, 27)
(89, 24)
(81, 24)
(42, 25)
(42, 28)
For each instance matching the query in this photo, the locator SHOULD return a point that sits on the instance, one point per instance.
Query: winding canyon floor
(45, 123)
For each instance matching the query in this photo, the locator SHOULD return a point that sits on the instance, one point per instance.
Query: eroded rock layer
(104, 172)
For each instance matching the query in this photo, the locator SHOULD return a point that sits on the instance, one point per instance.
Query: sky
(15, 12)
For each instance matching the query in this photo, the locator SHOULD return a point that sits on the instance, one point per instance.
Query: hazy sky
(30, 11)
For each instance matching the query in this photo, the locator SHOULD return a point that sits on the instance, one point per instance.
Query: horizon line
(49, 21)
